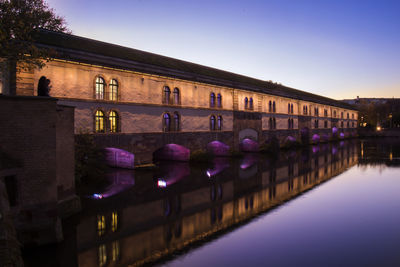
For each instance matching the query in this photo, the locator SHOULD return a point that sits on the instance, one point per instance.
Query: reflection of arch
(305, 135)
(248, 133)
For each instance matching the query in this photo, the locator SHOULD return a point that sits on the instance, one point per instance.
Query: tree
(19, 20)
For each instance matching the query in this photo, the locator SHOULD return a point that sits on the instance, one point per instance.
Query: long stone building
(141, 101)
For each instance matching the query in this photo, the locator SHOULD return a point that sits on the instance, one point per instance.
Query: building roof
(75, 48)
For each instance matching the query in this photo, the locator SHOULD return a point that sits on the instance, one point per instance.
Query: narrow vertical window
(325, 124)
(212, 100)
(115, 251)
(251, 103)
(348, 116)
(341, 115)
(167, 93)
(316, 124)
(246, 103)
(270, 106)
(334, 113)
(219, 100)
(176, 96)
(273, 107)
(102, 255)
(100, 88)
(114, 121)
(177, 122)
(306, 110)
(291, 108)
(99, 122)
(274, 122)
(270, 124)
(113, 94)
(101, 225)
(212, 123)
(288, 108)
(114, 221)
(166, 122)
(289, 124)
(341, 124)
(219, 123)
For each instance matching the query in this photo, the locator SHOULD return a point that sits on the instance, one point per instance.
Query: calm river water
(331, 205)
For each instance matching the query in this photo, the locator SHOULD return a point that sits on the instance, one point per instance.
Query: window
(176, 96)
(246, 103)
(219, 123)
(99, 122)
(325, 112)
(114, 221)
(348, 124)
(115, 251)
(251, 103)
(212, 123)
(306, 110)
(270, 106)
(334, 113)
(289, 124)
(101, 225)
(166, 96)
(325, 124)
(272, 123)
(166, 122)
(212, 100)
(177, 122)
(316, 111)
(341, 124)
(102, 255)
(288, 108)
(348, 115)
(100, 88)
(352, 116)
(291, 108)
(273, 106)
(114, 121)
(341, 115)
(316, 124)
(113, 94)
(352, 124)
(219, 101)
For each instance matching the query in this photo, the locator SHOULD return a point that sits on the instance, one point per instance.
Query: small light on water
(161, 183)
(378, 128)
(98, 196)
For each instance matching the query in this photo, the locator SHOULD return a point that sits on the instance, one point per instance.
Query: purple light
(334, 130)
(172, 152)
(315, 138)
(208, 172)
(220, 164)
(315, 149)
(171, 173)
(97, 196)
(334, 150)
(248, 161)
(120, 180)
(341, 135)
(218, 148)
(249, 145)
(119, 158)
(290, 139)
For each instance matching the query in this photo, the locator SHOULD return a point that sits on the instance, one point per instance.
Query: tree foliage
(19, 20)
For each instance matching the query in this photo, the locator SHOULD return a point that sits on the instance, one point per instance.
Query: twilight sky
(336, 48)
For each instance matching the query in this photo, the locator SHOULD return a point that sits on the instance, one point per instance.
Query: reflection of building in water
(384, 153)
(171, 219)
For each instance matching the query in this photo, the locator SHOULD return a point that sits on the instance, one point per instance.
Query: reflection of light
(98, 196)
(208, 173)
(161, 183)
(378, 128)
(391, 156)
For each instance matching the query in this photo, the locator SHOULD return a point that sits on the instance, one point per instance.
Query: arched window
(348, 116)
(113, 94)
(219, 101)
(166, 122)
(212, 100)
(176, 96)
(291, 108)
(212, 123)
(251, 103)
(273, 107)
(288, 108)
(166, 96)
(246, 103)
(114, 121)
(352, 116)
(177, 122)
(219, 123)
(306, 110)
(270, 106)
(316, 111)
(100, 88)
(99, 122)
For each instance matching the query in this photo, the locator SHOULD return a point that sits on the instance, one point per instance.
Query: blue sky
(340, 49)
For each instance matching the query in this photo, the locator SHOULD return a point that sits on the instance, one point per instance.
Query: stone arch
(249, 134)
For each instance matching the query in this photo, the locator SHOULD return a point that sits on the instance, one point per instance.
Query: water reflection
(179, 206)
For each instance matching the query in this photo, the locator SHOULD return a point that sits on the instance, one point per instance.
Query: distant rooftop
(80, 49)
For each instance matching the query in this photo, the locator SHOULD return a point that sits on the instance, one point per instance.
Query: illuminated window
(115, 251)
(101, 225)
(176, 96)
(113, 94)
(114, 121)
(102, 255)
(99, 122)
(212, 100)
(212, 123)
(219, 100)
(167, 94)
(219, 123)
(166, 122)
(177, 122)
(114, 221)
(100, 88)
(251, 106)
(246, 103)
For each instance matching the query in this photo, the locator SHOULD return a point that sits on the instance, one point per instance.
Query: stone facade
(37, 134)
